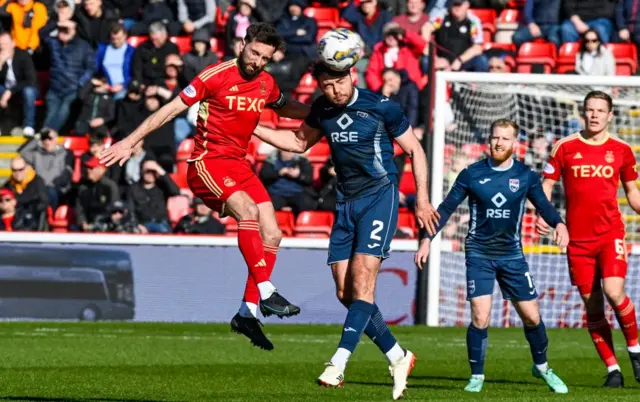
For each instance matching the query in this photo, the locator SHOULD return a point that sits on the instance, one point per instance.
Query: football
(340, 49)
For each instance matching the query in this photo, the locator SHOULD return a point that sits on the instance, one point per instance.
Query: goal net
(547, 108)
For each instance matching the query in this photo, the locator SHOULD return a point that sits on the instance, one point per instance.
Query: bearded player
(232, 96)
(591, 163)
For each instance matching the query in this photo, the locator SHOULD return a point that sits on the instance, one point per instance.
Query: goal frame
(442, 79)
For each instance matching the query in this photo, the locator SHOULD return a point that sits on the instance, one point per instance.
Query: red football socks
(251, 292)
(250, 243)
(626, 314)
(601, 336)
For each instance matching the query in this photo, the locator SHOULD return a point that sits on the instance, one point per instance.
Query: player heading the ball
(591, 164)
(498, 188)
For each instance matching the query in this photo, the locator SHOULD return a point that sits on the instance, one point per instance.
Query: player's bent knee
(272, 236)
(344, 297)
(250, 211)
(531, 320)
(615, 295)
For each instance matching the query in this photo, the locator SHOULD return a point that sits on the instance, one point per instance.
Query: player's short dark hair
(264, 33)
(320, 68)
(598, 95)
(505, 123)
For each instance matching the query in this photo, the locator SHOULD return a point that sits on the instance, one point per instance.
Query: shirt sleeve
(395, 120)
(628, 171)
(312, 118)
(477, 37)
(437, 18)
(276, 99)
(456, 195)
(539, 200)
(202, 87)
(553, 168)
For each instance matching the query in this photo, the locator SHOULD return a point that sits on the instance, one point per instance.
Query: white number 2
(377, 228)
(528, 275)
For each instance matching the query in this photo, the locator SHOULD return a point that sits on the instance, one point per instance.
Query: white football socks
(341, 358)
(395, 354)
(613, 368)
(634, 349)
(542, 367)
(266, 289)
(248, 310)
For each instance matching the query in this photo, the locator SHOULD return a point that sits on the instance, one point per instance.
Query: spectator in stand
(96, 145)
(627, 21)
(233, 49)
(163, 142)
(368, 21)
(288, 177)
(126, 10)
(327, 193)
(28, 18)
(129, 112)
(286, 73)
(64, 11)
(5, 18)
(299, 32)
(199, 57)
(497, 65)
(148, 60)
(538, 153)
(400, 50)
(200, 221)
(29, 190)
(541, 20)
(436, 6)
(73, 62)
(458, 33)
(197, 15)
(238, 22)
(129, 174)
(398, 87)
(98, 107)
(51, 162)
(156, 12)
(95, 194)
(94, 25)
(114, 61)
(17, 83)
(584, 14)
(414, 19)
(12, 217)
(394, 7)
(117, 220)
(594, 58)
(148, 197)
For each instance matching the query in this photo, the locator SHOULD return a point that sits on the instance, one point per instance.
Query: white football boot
(400, 370)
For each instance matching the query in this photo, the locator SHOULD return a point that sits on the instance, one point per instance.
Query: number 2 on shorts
(377, 228)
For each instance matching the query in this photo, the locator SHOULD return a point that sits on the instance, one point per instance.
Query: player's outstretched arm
(548, 212)
(288, 140)
(633, 195)
(426, 214)
(294, 110)
(547, 187)
(121, 150)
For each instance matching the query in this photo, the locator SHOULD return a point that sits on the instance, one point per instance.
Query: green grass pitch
(192, 362)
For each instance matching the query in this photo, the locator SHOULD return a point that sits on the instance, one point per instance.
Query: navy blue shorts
(513, 277)
(365, 225)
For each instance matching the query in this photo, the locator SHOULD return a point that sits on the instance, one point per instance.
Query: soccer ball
(340, 49)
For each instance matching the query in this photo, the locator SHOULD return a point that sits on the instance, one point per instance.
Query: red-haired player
(591, 163)
(232, 96)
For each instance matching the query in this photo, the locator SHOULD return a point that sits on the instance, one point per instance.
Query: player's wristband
(279, 103)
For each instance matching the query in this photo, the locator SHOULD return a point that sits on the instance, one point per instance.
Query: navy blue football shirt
(360, 136)
(497, 198)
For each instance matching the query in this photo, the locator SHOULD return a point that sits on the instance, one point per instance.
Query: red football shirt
(230, 108)
(591, 172)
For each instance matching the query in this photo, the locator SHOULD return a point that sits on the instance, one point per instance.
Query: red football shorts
(591, 261)
(215, 180)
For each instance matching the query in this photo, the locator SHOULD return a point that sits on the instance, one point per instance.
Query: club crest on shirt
(229, 182)
(514, 185)
(263, 87)
(609, 157)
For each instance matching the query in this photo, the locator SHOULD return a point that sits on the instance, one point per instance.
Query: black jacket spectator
(94, 23)
(156, 11)
(15, 218)
(286, 72)
(327, 194)
(98, 107)
(200, 13)
(398, 87)
(148, 60)
(117, 220)
(298, 31)
(131, 172)
(29, 188)
(201, 221)
(23, 71)
(199, 57)
(288, 178)
(368, 21)
(129, 9)
(129, 113)
(148, 197)
(94, 195)
(162, 143)
(270, 11)
(589, 10)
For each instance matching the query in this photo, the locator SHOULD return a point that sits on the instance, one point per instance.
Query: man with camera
(201, 221)
(118, 220)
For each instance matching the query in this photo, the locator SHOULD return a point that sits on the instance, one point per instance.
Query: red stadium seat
(314, 224)
(321, 32)
(626, 56)
(231, 226)
(269, 118)
(532, 53)
(488, 18)
(285, 123)
(185, 149)
(286, 222)
(221, 17)
(62, 218)
(307, 84)
(326, 17)
(509, 16)
(407, 183)
(319, 153)
(135, 41)
(77, 145)
(516, 3)
(407, 222)
(567, 57)
(183, 43)
(184, 152)
(217, 46)
(344, 24)
(177, 206)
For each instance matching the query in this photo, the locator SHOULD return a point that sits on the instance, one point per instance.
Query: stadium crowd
(92, 70)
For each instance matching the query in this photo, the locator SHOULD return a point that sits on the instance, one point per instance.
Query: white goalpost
(547, 108)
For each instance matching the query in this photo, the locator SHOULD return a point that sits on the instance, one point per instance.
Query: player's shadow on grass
(413, 385)
(497, 381)
(53, 399)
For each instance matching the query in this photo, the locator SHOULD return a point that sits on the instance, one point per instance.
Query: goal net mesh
(546, 113)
